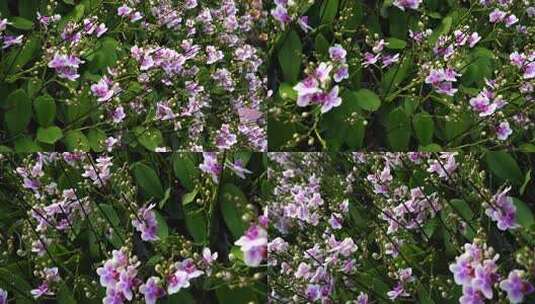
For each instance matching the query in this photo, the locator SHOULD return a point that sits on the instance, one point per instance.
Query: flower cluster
(66, 66)
(145, 222)
(380, 227)
(316, 87)
(253, 244)
(377, 55)
(442, 80)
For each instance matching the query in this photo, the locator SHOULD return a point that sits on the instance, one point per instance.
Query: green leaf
(398, 130)
(424, 127)
(424, 297)
(75, 15)
(462, 208)
(395, 43)
(26, 144)
(18, 58)
(289, 56)
(232, 202)
(110, 213)
(527, 179)
(163, 229)
(367, 100)
(524, 215)
(21, 23)
(329, 11)
(22, 288)
(527, 148)
(398, 23)
(189, 197)
(45, 110)
(286, 91)
(20, 111)
(97, 138)
(165, 198)
(182, 297)
(355, 134)
(150, 138)
(49, 135)
(196, 223)
(28, 8)
(65, 295)
(148, 180)
(504, 166)
(236, 295)
(76, 140)
(395, 76)
(481, 67)
(185, 170)
(33, 87)
(444, 28)
(321, 44)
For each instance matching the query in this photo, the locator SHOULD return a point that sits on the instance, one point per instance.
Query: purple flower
(238, 168)
(208, 257)
(46, 20)
(337, 53)
(104, 89)
(485, 276)
(529, 71)
(3, 24)
(214, 55)
(502, 210)
(503, 130)
(470, 296)
(225, 139)
(66, 66)
(10, 40)
(362, 298)
(305, 90)
(496, 16)
(388, 60)
(516, 287)
(281, 15)
(211, 166)
(341, 73)
(330, 100)
(322, 72)
(517, 59)
(118, 114)
(313, 292)
(127, 282)
(113, 296)
(441, 168)
(481, 104)
(254, 245)
(473, 39)
(510, 20)
(108, 274)
(152, 290)
(403, 4)
(303, 23)
(124, 11)
(3, 296)
(398, 291)
(345, 248)
(146, 223)
(43, 289)
(442, 79)
(462, 270)
(370, 59)
(177, 281)
(101, 29)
